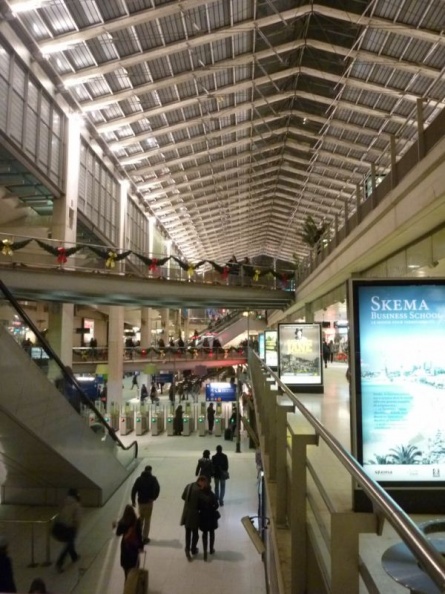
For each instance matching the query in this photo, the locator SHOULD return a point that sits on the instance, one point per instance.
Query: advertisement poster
(220, 392)
(271, 348)
(299, 354)
(400, 370)
(261, 352)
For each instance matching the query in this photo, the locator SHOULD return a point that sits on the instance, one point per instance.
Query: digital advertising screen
(399, 336)
(299, 354)
(220, 392)
(261, 345)
(271, 349)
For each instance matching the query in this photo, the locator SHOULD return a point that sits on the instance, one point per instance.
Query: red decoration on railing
(225, 273)
(153, 265)
(61, 256)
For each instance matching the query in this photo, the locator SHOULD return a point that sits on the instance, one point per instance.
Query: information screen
(399, 337)
(261, 351)
(220, 392)
(271, 348)
(299, 350)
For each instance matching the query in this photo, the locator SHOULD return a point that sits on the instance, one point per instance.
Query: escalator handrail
(66, 374)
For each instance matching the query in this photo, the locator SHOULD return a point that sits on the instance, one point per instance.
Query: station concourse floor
(236, 565)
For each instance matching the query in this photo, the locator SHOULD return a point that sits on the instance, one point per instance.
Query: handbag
(225, 475)
(61, 532)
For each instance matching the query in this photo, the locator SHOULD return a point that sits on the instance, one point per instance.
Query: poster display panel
(271, 349)
(261, 351)
(299, 354)
(399, 329)
(220, 392)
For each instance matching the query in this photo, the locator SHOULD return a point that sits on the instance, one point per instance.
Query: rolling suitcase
(228, 435)
(137, 580)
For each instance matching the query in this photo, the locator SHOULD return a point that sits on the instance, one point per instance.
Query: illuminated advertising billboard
(220, 392)
(261, 345)
(299, 354)
(399, 371)
(271, 349)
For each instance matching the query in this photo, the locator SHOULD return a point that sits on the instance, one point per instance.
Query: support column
(146, 327)
(64, 228)
(115, 356)
(394, 180)
(284, 406)
(420, 129)
(308, 313)
(373, 185)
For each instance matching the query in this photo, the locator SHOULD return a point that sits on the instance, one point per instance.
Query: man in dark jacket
(221, 473)
(147, 488)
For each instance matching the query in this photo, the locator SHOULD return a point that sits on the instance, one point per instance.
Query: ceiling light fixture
(25, 5)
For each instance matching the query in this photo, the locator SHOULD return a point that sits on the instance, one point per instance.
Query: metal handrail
(48, 523)
(66, 375)
(429, 557)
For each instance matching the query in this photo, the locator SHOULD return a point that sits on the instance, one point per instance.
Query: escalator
(46, 445)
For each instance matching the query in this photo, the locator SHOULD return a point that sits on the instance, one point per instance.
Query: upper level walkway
(87, 274)
(88, 360)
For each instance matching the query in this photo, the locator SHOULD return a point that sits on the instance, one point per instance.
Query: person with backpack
(147, 489)
(205, 466)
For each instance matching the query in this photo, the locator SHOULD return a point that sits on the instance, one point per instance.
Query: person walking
(210, 417)
(205, 466)
(7, 583)
(190, 515)
(69, 518)
(178, 421)
(221, 473)
(144, 393)
(129, 527)
(147, 489)
(326, 353)
(208, 518)
(134, 381)
(37, 586)
(331, 351)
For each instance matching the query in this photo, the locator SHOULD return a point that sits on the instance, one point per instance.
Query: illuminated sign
(220, 392)
(299, 354)
(261, 351)
(271, 348)
(399, 369)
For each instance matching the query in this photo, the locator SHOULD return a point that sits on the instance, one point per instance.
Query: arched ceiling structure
(235, 119)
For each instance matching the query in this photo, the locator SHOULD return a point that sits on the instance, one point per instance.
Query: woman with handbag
(130, 528)
(208, 518)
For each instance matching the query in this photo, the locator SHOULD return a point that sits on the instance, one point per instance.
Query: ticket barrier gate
(188, 425)
(170, 425)
(126, 422)
(140, 422)
(157, 423)
(113, 420)
(92, 419)
(219, 427)
(201, 426)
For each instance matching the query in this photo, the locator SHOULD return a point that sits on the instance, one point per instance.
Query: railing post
(358, 200)
(345, 530)
(302, 436)
(283, 407)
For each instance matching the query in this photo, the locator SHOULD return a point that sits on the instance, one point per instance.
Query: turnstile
(170, 425)
(157, 423)
(219, 427)
(140, 423)
(188, 425)
(113, 420)
(126, 422)
(201, 426)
